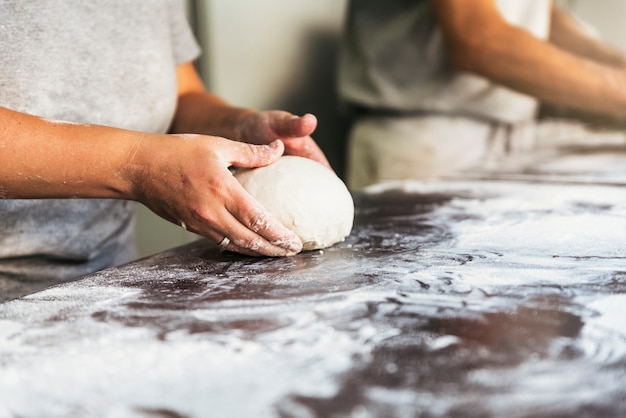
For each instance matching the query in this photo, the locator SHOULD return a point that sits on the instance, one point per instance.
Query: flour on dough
(306, 197)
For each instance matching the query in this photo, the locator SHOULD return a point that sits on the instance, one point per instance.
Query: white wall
(258, 50)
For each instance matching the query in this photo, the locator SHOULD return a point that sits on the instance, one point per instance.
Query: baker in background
(91, 97)
(438, 86)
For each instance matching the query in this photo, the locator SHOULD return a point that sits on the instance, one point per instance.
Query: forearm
(567, 33)
(544, 71)
(47, 159)
(205, 113)
(184, 179)
(487, 46)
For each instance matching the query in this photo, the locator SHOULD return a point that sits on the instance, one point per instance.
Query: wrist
(210, 115)
(134, 165)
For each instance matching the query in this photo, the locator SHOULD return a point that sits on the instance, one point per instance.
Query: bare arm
(202, 112)
(567, 33)
(480, 41)
(184, 179)
(45, 159)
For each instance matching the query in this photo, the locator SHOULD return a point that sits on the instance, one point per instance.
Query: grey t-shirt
(392, 57)
(109, 63)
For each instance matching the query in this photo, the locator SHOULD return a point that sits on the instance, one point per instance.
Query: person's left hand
(264, 127)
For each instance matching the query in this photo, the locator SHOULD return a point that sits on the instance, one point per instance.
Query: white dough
(306, 197)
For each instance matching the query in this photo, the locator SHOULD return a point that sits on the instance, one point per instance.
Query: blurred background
(281, 54)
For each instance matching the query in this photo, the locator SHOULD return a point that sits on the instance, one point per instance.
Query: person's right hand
(186, 180)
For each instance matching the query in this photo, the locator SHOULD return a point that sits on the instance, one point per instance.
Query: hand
(185, 179)
(266, 126)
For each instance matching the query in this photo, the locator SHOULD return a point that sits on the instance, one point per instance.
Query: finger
(286, 125)
(237, 249)
(261, 236)
(308, 124)
(256, 229)
(243, 239)
(218, 237)
(247, 224)
(242, 154)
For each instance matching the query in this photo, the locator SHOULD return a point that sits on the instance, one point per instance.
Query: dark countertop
(501, 294)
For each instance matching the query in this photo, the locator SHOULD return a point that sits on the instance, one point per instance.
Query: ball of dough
(306, 197)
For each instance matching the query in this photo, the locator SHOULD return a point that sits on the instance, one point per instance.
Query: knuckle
(252, 244)
(205, 217)
(258, 221)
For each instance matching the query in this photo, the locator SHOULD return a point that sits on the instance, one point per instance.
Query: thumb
(286, 125)
(240, 154)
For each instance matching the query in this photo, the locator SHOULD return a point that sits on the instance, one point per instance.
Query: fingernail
(296, 246)
(293, 245)
(275, 144)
